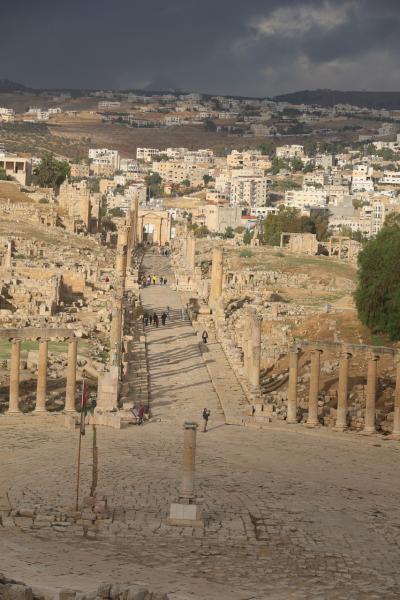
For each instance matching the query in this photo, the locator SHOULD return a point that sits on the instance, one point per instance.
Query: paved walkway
(180, 383)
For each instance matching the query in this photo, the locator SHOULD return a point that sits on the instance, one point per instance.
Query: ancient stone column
(369, 419)
(41, 389)
(71, 376)
(116, 329)
(132, 237)
(254, 347)
(191, 253)
(13, 406)
(187, 492)
(341, 415)
(396, 417)
(314, 388)
(121, 260)
(217, 273)
(292, 387)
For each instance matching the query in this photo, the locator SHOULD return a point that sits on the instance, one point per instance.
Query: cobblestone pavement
(291, 513)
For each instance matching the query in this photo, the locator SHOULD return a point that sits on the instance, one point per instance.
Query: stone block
(71, 422)
(11, 591)
(137, 592)
(23, 522)
(103, 591)
(185, 515)
(67, 595)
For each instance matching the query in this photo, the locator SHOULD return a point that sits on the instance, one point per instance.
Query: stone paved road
(293, 513)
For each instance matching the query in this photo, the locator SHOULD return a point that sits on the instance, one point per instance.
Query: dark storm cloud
(258, 47)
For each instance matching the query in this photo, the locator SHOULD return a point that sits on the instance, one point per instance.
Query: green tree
(117, 212)
(209, 125)
(153, 182)
(229, 233)
(278, 164)
(289, 220)
(51, 172)
(266, 148)
(296, 164)
(207, 179)
(185, 183)
(378, 293)
(309, 167)
(4, 176)
(247, 237)
(201, 231)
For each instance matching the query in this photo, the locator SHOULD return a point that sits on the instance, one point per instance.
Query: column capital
(294, 350)
(373, 356)
(345, 353)
(190, 425)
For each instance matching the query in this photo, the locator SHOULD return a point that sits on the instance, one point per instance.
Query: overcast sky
(249, 47)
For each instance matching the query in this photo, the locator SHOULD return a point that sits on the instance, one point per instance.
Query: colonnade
(343, 392)
(117, 302)
(41, 389)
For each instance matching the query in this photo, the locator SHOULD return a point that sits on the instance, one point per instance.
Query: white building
(108, 104)
(290, 151)
(129, 165)
(391, 177)
(362, 179)
(104, 156)
(147, 154)
(250, 191)
(308, 196)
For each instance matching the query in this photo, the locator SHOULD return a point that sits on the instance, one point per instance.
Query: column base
(340, 428)
(291, 421)
(185, 515)
(40, 410)
(369, 430)
(13, 412)
(394, 436)
(312, 423)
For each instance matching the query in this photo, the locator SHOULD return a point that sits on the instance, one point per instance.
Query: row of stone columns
(117, 303)
(342, 406)
(41, 390)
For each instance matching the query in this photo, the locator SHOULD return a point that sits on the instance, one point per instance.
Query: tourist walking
(146, 319)
(165, 281)
(155, 319)
(204, 335)
(141, 414)
(182, 314)
(168, 311)
(206, 416)
(150, 319)
(163, 318)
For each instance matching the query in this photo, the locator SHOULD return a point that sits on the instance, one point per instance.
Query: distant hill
(10, 87)
(326, 98)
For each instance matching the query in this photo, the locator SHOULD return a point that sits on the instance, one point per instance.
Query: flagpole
(78, 470)
(81, 431)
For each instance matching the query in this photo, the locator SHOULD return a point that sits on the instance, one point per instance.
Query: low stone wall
(11, 589)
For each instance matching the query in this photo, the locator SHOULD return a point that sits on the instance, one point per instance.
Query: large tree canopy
(51, 172)
(378, 292)
(290, 220)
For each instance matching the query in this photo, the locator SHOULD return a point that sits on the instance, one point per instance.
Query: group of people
(152, 319)
(153, 280)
